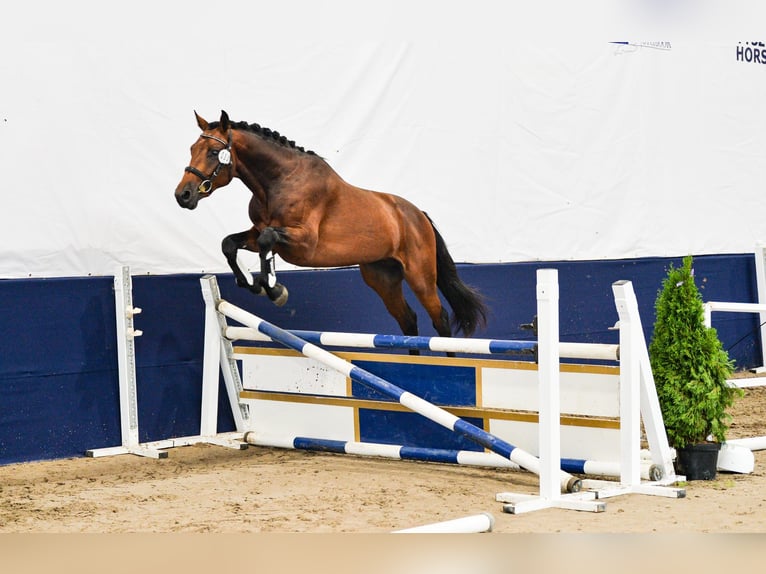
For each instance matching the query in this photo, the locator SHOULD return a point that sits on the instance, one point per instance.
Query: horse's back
(392, 215)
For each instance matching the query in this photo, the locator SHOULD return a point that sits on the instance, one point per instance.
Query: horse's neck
(261, 164)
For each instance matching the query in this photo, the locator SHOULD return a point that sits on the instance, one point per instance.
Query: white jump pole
(483, 522)
(751, 443)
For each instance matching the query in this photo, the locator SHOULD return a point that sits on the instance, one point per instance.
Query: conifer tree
(689, 364)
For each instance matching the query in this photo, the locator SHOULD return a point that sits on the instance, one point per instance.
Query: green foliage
(689, 364)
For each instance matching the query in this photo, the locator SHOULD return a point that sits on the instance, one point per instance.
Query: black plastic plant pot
(698, 461)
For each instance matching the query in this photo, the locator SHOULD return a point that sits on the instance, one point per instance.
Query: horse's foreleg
(230, 247)
(267, 278)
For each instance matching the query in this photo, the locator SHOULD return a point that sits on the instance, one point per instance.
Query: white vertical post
(126, 367)
(548, 372)
(650, 410)
(760, 277)
(630, 391)
(219, 357)
(126, 357)
(210, 363)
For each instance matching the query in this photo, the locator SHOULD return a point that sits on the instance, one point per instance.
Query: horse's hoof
(281, 294)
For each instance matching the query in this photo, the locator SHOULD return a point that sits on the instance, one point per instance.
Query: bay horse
(303, 211)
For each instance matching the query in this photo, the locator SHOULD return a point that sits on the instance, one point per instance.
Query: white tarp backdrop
(520, 127)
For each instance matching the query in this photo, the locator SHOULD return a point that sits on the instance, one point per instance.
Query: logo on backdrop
(630, 47)
(751, 52)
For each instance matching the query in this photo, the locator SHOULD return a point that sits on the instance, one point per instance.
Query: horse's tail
(468, 307)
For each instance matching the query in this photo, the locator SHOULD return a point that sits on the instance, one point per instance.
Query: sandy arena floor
(213, 489)
(210, 509)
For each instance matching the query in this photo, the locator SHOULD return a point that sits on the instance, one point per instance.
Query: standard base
(156, 449)
(521, 503)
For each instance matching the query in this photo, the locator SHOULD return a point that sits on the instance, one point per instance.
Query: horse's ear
(201, 122)
(224, 121)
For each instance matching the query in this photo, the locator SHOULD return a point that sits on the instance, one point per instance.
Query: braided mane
(266, 133)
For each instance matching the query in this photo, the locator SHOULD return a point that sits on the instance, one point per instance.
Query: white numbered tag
(224, 157)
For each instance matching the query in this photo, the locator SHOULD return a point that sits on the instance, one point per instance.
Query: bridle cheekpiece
(224, 158)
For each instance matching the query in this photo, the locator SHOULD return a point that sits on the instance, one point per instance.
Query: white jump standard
(126, 361)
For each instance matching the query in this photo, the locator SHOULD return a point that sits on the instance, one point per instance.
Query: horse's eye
(213, 153)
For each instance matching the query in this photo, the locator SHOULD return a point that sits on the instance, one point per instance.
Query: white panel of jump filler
(582, 393)
(290, 375)
(286, 419)
(586, 443)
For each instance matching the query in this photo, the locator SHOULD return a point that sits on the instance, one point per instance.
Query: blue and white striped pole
(436, 414)
(371, 341)
(649, 471)
(596, 351)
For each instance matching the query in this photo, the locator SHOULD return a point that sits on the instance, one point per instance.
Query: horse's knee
(268, 238)
(229, 246)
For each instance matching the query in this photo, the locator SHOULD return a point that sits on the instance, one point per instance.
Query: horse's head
(211, 163)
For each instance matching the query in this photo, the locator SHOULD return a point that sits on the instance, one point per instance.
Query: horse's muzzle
(187, 197)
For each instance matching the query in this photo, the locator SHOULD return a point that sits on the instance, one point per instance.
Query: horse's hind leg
(423, 285)
(267, 278)
(230, 245)
(427, 294)
(385, 278)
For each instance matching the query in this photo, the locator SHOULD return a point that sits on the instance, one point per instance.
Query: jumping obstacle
(418, 405)
(281, 387)
(554, 472)
(736, 454)
(641, 392)
(733, 307)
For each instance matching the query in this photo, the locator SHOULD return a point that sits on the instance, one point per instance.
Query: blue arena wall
(58, 361)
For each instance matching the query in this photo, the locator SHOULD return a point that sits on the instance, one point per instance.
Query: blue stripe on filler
(438, 384)
(411, 429)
